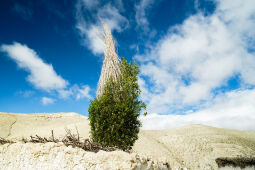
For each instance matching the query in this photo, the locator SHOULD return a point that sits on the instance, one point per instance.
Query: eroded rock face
(58, 156)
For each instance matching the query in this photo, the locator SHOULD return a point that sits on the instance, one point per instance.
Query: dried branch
(70, 139)
(4, 141)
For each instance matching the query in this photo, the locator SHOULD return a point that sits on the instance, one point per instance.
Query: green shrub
(114, 115)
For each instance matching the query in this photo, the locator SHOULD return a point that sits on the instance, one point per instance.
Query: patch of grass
(241, 162)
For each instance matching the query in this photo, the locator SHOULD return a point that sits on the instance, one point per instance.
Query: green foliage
(114, 115)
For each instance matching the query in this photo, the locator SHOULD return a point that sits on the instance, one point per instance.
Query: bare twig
(4, 141)
(70, 139)
(77, 133)
(52, 135)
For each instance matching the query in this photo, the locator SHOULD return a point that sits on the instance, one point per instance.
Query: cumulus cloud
(92, 38)
(76, 91)
(26, 93)
(112, 17)
(41, 74)
(140, 16)
(90, 4)
(83, 92)
(47, 101)
(198, 56)
(92, 32)
(233, 110)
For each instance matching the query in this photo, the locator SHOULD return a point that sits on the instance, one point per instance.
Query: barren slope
(16, 126)
(194, 146)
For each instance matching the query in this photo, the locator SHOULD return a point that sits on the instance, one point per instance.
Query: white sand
(194, 146)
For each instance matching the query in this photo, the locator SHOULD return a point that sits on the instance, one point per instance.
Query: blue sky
(196, 57)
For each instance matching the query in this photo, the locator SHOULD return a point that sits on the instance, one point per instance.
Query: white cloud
(200, 55)
(76, 91)
(65, 93)
(112, 17)
(47, 101)
(92, 38)
(90, 4)
(119, 5)
(233, 110)
(26, 93)
(41, 74)
(92, 32)
(83, 92)
(140, 16)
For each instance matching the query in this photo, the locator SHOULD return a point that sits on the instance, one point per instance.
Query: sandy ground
(193, 147)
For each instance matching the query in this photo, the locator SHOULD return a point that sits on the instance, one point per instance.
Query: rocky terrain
(58, 157)
(191, 147)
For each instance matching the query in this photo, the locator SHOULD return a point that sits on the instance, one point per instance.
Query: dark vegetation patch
(114, 114)
(241, 162)
(4, 141)
(70, 139)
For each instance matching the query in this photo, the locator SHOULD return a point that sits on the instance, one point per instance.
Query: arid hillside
(192, 147)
